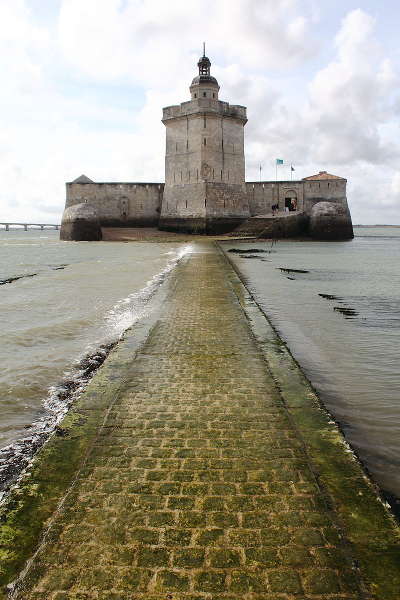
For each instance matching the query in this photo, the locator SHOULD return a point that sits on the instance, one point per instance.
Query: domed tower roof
(204, 76)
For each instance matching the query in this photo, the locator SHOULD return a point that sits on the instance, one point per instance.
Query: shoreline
(17, 456)
(43, 492)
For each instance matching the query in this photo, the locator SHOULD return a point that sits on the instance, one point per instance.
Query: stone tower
(204, 161)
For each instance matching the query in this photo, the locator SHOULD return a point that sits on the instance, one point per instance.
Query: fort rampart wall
(262, 195)
(202, 203)
(120, 204)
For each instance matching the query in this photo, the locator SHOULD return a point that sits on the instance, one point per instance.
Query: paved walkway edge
(27, 511)
(370, 527)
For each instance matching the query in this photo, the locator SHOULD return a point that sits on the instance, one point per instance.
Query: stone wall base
(286, 225)
(130, 222)
(202, 225)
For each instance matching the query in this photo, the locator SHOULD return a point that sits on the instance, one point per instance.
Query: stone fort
(205, 189)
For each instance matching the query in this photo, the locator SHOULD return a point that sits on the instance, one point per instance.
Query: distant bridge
(26, 226)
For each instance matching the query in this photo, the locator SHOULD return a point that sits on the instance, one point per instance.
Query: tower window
(221, 174)
(205, 141)
(195, 95)
(187, 144)
(176, 147)
(205, 122)
(204, 94)
(213, 95)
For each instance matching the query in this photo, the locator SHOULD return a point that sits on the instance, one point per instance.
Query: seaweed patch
(287, 270)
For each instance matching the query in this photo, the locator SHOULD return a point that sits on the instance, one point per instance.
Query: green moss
(367, 524)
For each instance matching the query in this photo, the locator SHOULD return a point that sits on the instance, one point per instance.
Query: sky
(84, 83)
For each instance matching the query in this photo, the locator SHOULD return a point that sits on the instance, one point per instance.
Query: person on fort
(294, 203)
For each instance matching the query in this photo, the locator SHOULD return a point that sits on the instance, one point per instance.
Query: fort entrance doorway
(291, 202)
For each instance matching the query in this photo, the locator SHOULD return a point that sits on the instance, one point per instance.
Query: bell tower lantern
(204, 85)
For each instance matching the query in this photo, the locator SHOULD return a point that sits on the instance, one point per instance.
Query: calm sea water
(347, 342)
(71, 301)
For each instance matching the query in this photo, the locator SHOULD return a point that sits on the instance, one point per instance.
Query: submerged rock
(287, 270)
(329, 297)
(80, 223)
(247, 251)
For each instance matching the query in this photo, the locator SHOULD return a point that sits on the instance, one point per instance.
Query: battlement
(205, 106)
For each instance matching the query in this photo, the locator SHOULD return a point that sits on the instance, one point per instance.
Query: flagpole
(260, 172)
(276, 171)
(291, 172)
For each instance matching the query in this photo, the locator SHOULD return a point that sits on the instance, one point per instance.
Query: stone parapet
(205, 105)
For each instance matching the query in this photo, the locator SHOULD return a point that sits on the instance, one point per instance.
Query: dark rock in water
(347, 312)
(329, 297)
(330, 221)
(285, 270)
(291, 278)
(80, 223)
(247, 251)
(12, 279)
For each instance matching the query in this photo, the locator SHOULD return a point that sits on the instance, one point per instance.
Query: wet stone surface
(198, 487)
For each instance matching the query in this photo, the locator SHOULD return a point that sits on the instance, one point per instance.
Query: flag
(292, 168)
(279, 161)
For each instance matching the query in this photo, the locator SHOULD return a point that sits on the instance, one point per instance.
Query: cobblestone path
(198, 486)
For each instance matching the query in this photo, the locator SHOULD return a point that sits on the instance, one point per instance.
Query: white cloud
(152, 42)
(56, 126)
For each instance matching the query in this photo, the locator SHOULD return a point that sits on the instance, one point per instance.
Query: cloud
(154, 43)
(84, 93)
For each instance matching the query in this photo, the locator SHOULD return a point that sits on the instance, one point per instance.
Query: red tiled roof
(322, 175)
